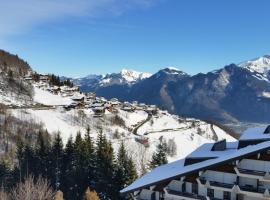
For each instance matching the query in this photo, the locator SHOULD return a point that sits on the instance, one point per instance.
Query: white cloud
(17, 16)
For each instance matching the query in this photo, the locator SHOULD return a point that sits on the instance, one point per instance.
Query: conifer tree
(56, 157)
(20, 157)
(105, 168)
(160, 156)
(79, 161)
(126, 172)
(42, 153)
(68, 170)
(89, 165)
(29, 162)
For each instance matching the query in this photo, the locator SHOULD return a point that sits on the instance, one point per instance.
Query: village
(80, 100)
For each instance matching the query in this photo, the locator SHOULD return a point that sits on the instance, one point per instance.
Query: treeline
(55, 80)
(82, 163)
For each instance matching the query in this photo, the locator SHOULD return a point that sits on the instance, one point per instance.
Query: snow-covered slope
(47, 98)
(260, 66)
(187, 134)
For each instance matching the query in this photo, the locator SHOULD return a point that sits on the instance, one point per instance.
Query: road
(135, 130)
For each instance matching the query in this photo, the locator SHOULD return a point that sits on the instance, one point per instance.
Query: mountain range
(234, 93)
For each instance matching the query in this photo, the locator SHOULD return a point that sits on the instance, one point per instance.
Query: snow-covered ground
(187, 134)
(130, 127)
(47, 98)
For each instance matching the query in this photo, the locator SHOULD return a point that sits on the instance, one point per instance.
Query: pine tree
(56, 157)
(20, 158)
(79, 161)
(105, 168)
(89, 159)
(159, 157)
(68, 170)
(42, 153)
(126, 172)
(29, 164)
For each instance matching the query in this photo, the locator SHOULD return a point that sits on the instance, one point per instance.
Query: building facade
(223, 170)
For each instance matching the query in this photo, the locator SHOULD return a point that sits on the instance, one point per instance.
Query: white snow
(47, 98)
(188, 134)
(255, 133)
(133, 76)
(265, 94)
(260, 66)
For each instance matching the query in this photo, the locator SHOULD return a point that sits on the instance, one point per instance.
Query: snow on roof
(177, 168)
(98, 108)
(255, 133)
(205, 150)
(77, 97)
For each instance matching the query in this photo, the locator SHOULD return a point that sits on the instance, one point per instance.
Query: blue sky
(80, 37)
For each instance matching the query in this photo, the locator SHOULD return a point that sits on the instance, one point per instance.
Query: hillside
(132, 127)
(13, 88)
(56, 107)
(12, 63)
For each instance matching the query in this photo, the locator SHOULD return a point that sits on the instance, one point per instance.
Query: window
(194, 188)
(226, 195)
(210, 193)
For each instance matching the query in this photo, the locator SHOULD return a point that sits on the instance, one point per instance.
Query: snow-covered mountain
(231, 94)
(259, 65)
(128, 77)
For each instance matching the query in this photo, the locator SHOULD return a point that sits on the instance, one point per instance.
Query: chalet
(102, 99)
(114, 102)
(152, 109)
(236, 170)
(28, 78)
(143, 140)
(141, 106)
(44, 77)
(97, 104)
(71, 105)
(99, 111)
(91, 95)
(55, 89)
(128, 108)
(134, 103)
(78, 98)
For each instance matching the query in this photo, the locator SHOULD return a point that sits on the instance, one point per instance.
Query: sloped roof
(177, 169)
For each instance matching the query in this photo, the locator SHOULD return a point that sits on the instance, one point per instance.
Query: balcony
(251, 172)
(223, 185)
(185, 195)
(215, 184)
(250, 188)
(256, 174)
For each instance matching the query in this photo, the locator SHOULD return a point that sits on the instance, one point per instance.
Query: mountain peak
(259, 65)
(172, 71)
(133, 76)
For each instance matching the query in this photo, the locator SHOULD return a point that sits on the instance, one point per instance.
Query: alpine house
(222, 170)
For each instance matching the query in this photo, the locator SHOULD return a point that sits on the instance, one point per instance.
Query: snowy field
(187, 134)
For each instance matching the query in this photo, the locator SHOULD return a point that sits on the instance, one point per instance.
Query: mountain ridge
(215, 95)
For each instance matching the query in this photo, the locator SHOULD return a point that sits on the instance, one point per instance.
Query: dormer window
(219, 146)
(267, 130)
